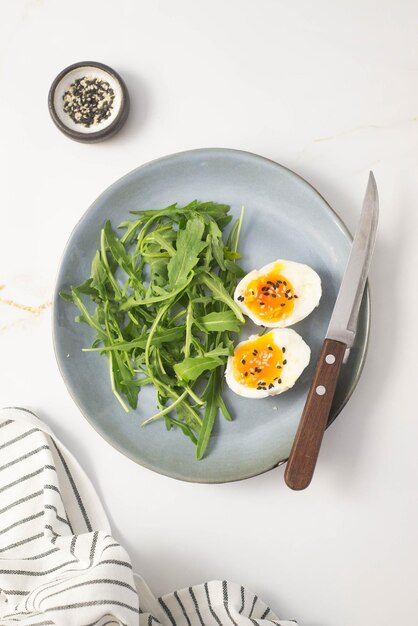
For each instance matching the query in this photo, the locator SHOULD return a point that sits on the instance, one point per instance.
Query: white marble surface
(329, 89)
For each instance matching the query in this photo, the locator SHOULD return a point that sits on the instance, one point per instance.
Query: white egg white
(297, 357)
(305, 282)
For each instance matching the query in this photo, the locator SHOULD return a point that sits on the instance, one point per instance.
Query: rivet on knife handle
(303, 456)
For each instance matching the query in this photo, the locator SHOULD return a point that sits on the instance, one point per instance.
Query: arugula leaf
(211, 410)
(234, 269)
(219, 321)
(215, 285)
(231, 255)
(224, 409)
(161, 337)
(134, 302)
(217, 244)
(189, 246)
(117, 249)
(192, 367)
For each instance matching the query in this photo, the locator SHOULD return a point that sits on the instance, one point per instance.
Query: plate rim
(55, 299)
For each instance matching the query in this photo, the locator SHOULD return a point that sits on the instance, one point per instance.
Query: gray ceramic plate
(284, 218)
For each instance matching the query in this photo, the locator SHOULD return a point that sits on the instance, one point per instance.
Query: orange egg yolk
(259, 363)
(270, 298)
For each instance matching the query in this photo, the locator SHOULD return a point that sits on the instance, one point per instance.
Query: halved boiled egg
(279, 294)
(267, 365)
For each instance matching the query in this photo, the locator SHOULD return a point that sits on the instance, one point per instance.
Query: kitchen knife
(338, 341)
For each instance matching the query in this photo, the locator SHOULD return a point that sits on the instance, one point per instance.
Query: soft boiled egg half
(267, 365)
(279, 294)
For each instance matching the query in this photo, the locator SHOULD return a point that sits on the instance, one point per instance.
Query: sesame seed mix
(89, 101)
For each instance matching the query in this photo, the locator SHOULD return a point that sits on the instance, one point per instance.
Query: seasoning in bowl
(88, 102)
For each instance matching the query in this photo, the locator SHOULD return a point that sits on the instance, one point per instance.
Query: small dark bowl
(103, 130)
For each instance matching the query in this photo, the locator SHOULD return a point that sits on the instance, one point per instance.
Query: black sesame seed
(271, 386)
(296, 296)
(246, 374)
(284, 362)
(273, 295)
(243, 361)
(270, 282)
(269, 348)
(283, 304)
(285, 283)
(279, 381)
(283, 350)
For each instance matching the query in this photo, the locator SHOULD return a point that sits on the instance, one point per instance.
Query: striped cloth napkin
(59, 564)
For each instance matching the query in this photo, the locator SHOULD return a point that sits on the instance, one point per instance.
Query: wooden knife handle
(302, 460)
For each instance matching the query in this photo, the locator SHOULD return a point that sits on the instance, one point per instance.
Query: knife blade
(338, 340)
(343, 323)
